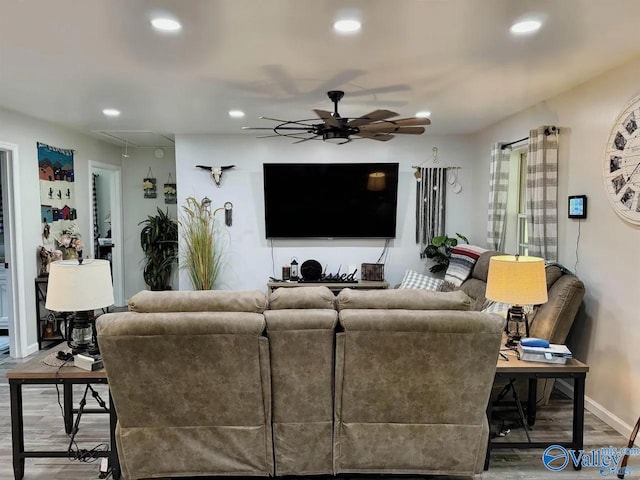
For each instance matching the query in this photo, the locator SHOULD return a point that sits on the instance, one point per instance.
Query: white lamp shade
(517, 280)
(75, 287)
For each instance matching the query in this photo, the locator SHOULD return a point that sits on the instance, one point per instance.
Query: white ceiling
(66, 60)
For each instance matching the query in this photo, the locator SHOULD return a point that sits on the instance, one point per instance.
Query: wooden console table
(335, 287)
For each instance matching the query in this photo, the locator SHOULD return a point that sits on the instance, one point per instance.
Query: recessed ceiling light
(528, 26)
(347, 26)
(423, 114)
(166, 24)
(236, 113)
(111, 112)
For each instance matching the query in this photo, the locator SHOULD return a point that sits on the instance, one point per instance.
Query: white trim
(598, 410)
(16, 283)
(117, 233)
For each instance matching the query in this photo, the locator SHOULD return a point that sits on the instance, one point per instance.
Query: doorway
(4, 311)
(12, 298)
(107, 239)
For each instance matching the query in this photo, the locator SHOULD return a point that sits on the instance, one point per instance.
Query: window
(516, 240)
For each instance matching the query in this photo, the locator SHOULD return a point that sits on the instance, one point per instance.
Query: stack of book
(87, 361)
(551, 354)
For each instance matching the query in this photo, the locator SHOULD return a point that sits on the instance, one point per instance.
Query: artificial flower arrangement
(69, 244)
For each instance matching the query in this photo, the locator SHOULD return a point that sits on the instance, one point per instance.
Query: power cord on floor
(74, 452)
(575, 266)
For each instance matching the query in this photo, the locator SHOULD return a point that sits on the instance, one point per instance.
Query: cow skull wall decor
(216, 172)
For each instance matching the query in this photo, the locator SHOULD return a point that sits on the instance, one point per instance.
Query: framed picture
(149, 186)
(170, 193)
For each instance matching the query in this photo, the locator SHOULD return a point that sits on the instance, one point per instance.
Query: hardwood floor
(44, 429)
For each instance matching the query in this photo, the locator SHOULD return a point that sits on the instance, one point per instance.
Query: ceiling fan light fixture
(347, 26)
(423, 114)
(236, 113)
(111, 112)
(335, 136)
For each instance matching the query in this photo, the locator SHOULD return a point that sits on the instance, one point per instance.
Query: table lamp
(80, 287)
(516, 280)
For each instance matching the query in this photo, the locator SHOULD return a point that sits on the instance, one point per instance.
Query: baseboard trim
(33, 348)
(598, 410)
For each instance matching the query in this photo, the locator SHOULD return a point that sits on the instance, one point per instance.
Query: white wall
(137, 208)
(607, 333)
(249, 256)
(26, 132)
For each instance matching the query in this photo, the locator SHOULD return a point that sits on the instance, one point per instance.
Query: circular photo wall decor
(621, 167)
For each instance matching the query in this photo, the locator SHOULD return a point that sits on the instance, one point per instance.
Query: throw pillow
(496, 307)
(463, 259)
(419, 281)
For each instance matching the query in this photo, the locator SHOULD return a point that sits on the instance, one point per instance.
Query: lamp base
(81, 333)
(515, 317)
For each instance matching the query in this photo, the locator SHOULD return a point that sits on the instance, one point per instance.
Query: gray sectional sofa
(304, 383)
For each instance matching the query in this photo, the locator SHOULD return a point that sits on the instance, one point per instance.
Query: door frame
(117, 234)
(14, 252)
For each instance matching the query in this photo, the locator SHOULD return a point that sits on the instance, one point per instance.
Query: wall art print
(170, 192)
(57, 193)
(149, 185)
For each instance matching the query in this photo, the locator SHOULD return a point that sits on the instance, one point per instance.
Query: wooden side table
(532, 371)
(36, 372)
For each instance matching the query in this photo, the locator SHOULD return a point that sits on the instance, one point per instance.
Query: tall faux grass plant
(202, 252)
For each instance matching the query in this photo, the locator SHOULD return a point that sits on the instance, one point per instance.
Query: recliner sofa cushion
(407, 299)
(301, 297)
(193, 396)
(301, 342)
(146, 301)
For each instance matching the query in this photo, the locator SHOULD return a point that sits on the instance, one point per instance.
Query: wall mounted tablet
(577, 206)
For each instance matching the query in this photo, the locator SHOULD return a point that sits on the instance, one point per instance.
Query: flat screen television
(330, 200)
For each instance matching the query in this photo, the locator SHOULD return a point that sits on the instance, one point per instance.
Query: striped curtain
(498, 189)
(430, 205)
(1, 212)
(96, 225)
(542, 193)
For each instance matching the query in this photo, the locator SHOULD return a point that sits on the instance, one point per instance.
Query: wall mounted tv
(330, 200)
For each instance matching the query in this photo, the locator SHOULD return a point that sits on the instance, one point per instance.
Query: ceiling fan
(337, 129)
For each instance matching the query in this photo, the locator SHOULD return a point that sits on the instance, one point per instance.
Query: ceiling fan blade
(374, 91)
(303, 128)
(298, 122)
(338, 79)
(384, 127)
(284, 80)
(371, 117)
(405, 122)
(409, 130)
(328, 118)
(306, 139)
(382, 137)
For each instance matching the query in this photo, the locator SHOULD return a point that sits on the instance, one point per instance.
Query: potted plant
(159, 241)
(202, 255)
(439, 250)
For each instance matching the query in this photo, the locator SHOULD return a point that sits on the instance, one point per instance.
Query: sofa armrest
(553, 319)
